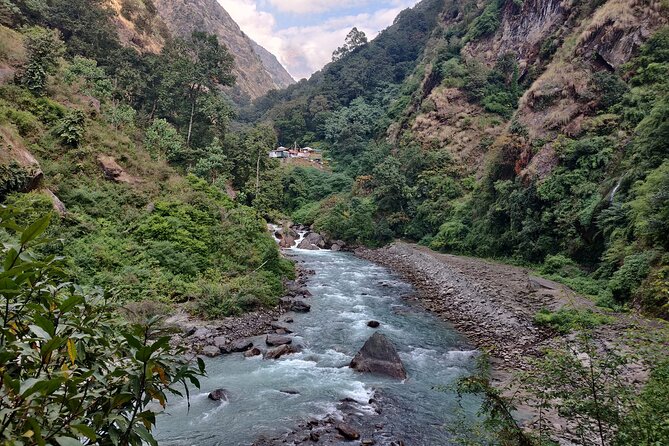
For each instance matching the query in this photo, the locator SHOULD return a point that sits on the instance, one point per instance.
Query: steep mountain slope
(277, 71)
(533, 130)
(254, 79)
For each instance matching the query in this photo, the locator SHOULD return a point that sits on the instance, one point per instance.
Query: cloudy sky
(304, 33)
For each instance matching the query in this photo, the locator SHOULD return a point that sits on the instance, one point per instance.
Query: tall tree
(196, 67)
(354, 39)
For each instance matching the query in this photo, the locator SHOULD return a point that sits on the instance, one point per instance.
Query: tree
(163, 140)
(70, 371)
(43, 47)
(355, 39)
(212, 162)
(196, 67)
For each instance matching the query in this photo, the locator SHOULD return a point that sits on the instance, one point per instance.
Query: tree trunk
(258, 176)
(192, 115)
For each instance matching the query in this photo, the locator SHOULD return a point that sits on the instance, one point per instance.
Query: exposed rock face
(276, 71)
(379, 355)
(12, 151)
(113, 171)
(254, 79)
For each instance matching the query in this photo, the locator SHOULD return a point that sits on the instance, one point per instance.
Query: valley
(467, 243)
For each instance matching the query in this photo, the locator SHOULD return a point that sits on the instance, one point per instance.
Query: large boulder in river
(312, 241)
(299, 306)
(379, 355)
(238, 346)
(280, 351)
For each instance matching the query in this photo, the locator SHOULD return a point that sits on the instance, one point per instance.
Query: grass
(567, 320)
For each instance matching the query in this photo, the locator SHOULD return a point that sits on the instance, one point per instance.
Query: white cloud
(306, 49)
(313, 6)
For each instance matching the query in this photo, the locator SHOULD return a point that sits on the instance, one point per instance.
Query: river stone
(279, 352)
(202, 333)
(220, 341)
(276, 340)
(211, 351)
(253, 352)
(238, 346)
(277, 326)
(300, 307)
(347, 431)
(379, 355)
(374, 324)
(218, 395)
(312, 241)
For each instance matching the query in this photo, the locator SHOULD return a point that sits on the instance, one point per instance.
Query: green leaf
(70, 303)
(84, 430)
(10, 259)
(39, 332)
(36, 229)
(67, 441)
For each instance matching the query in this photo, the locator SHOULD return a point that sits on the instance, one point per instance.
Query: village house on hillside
(305, 154)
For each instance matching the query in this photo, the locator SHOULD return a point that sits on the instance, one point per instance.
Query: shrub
(567, 320)
(70, 129)
(626, 280)
(214, 300)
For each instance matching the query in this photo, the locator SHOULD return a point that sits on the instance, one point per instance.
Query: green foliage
(646, 422)
(630, 275)
(487, 23)
(71, 127)
(13, 178)
(71, 372)
(92, 79)
(43, 48)
(241, 294)
(354, 40)
(163, 141)
(567, 320)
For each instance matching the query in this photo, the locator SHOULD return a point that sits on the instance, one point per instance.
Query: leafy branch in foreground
(71, 372)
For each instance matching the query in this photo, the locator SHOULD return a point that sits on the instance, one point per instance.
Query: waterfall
(615, 189)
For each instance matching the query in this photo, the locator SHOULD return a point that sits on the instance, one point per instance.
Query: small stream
(347, 293)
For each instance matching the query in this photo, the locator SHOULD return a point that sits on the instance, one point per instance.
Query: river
(347, 293)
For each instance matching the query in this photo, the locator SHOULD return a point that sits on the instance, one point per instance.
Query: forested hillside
(534, 131)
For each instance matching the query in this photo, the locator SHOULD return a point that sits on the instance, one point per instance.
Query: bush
(214, 300)
(567, 320)
(627, 279)
(70, 129)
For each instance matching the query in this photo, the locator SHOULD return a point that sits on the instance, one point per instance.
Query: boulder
(276, 326)
(202, 333)
(280, 351)
(276, 340)
(300, 307)
(312, 241)
(211, 351)
(286, 241)
(338, 245)
(374, 324)
(58, 205)
(238, 346)
(290, 391)
(113, 171)
(218, 395)
(379, 356)
(253, 352)
(220, 341)
(347, 431)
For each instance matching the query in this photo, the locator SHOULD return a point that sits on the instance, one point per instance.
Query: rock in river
(218, 395)
(374, 324)
(300, 307)
(238, 346)
(276, 340)
(279, 352)
(313, 241)
(379, 355)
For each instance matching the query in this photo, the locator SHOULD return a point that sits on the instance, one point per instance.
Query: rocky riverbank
(492, 304)
(233, 334)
